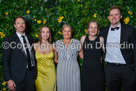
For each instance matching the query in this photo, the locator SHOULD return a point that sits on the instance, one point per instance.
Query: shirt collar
(19, 35)
(116, 26)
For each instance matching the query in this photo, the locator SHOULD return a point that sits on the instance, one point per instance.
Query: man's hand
(11, 85)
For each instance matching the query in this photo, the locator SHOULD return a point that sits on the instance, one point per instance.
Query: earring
(87, 32)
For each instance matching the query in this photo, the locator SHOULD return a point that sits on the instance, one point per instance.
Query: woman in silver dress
(68, 71)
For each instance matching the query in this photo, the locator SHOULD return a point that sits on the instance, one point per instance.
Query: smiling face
(67, 32)
(93, 29)
(20, 25)
(114, 17)
(45, 33)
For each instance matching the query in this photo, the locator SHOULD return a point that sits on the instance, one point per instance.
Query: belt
(116, 64)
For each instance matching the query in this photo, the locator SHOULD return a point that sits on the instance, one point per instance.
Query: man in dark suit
(18, 60)
(120, 44)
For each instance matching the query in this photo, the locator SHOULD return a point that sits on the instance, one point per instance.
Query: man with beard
(18, 60)
(120, 68)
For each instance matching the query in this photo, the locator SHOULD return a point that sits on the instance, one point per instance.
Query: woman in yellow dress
(46, 74)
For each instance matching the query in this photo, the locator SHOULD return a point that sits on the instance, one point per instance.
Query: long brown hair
(50, 37)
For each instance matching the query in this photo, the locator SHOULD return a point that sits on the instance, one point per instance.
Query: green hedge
(55, 13)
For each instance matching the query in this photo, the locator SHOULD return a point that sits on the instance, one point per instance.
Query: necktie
(112, 29)
(27, 52)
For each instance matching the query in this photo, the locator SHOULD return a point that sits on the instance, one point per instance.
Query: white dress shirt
(24, 48)
(21, 40)
(113, 52)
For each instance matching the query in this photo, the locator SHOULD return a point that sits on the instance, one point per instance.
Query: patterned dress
(68, 71)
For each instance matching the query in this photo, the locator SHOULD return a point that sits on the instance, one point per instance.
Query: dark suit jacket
(14, 60)
(128, 36)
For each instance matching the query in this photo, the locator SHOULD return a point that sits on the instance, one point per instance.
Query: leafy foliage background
(55, 13)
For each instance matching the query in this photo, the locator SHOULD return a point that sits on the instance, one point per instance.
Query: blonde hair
(66, 25)
(93, 21)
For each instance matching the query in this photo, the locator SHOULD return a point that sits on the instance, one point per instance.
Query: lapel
(29, 40)
(17, 40)
(106, 34)
(122, 34)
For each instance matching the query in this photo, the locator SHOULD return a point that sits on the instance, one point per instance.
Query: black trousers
(120, 78)
(29, 82)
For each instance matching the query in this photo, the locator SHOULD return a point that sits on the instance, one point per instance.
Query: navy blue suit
(14, 61)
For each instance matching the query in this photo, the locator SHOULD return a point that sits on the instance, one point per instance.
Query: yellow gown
(46, 77)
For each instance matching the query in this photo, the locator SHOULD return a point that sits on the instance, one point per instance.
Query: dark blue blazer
(14, 60)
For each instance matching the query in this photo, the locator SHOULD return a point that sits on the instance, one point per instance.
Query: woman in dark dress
(92, 75)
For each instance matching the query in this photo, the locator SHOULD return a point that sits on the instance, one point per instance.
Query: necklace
(92, 41)
(66, 43)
